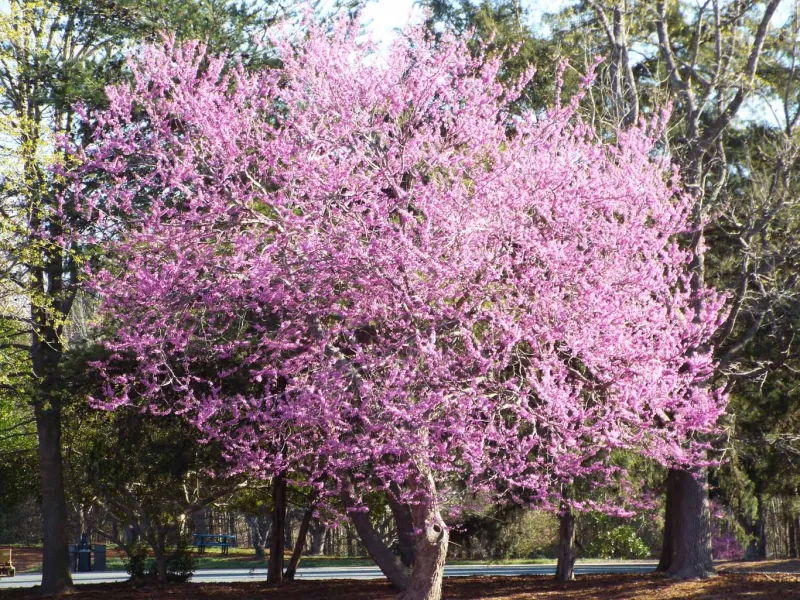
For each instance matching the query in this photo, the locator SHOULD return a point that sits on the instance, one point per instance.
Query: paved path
(231, 575)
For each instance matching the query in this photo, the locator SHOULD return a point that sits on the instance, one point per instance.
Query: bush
(726, 546)
(181, 563)
(136, 560)
(531, 534)
(498, 532)
(621, 541)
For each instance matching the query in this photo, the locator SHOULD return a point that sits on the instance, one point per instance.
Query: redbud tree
(360, 267)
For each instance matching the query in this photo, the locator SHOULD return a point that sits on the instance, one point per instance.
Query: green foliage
(181, 563)
(136, 561)
(529, 534)
(502, 26)
(610, 539)
(505, 532)
(620, 542)
(150, 472)
(18, 459)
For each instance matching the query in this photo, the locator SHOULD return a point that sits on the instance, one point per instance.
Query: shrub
(531, 534)
(726, 546)
(181, 563)
(621, 541)
(136, 561)
(492, 532)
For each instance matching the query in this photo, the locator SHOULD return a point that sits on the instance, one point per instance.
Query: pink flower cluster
(361, 263)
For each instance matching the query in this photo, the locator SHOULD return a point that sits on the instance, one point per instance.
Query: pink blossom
(352, 264)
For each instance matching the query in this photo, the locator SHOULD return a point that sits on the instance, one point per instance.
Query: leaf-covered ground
(761, 566)
(760, 586)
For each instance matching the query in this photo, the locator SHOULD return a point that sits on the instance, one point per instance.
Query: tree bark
(405, 530)
(350, 541)
(432, 536)
(275, 569)
(390, 565)
(161, 563)
(669, 524)
(565, 568)
(687, 533)
(56, 578)
(287, 536)
(318, 534)
(797, 532)
(761, 528)
(299, 543)
(200, 521)
(256, 536)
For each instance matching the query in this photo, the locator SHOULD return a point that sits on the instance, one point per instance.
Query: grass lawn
(28, 560)
(246, 561)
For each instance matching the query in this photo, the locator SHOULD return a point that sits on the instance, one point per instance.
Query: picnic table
(213, 540)
(6, 568)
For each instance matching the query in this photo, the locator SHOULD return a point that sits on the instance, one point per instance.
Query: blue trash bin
(99, 557)
(84, 554)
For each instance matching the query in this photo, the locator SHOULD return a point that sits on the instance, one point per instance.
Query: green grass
(504, 561)
(242, 558)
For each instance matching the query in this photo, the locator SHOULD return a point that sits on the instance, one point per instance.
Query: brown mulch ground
(588, 587)
(761, 566)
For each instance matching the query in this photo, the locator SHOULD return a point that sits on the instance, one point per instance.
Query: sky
(385, 16)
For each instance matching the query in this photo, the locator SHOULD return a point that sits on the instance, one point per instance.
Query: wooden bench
(6, 568)
(221, 541)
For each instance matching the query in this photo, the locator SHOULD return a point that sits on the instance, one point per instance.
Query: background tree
(502, 27)
(18, 465)
(717, 63)
(706, 60)
(153, 475)
(53, 53)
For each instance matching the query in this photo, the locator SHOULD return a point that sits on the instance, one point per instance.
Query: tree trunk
(761, 528)
(318, 534)
(687, 533)
(565, 568)
(390, 565)
(287, 536)
(256, 536)
(797, 532)
(275, 569)
(298, 547)
(432, 536)
(350, 539)
(669, 524)
(56, 578)
(161, 563)
(405, 530)
(200, 521)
